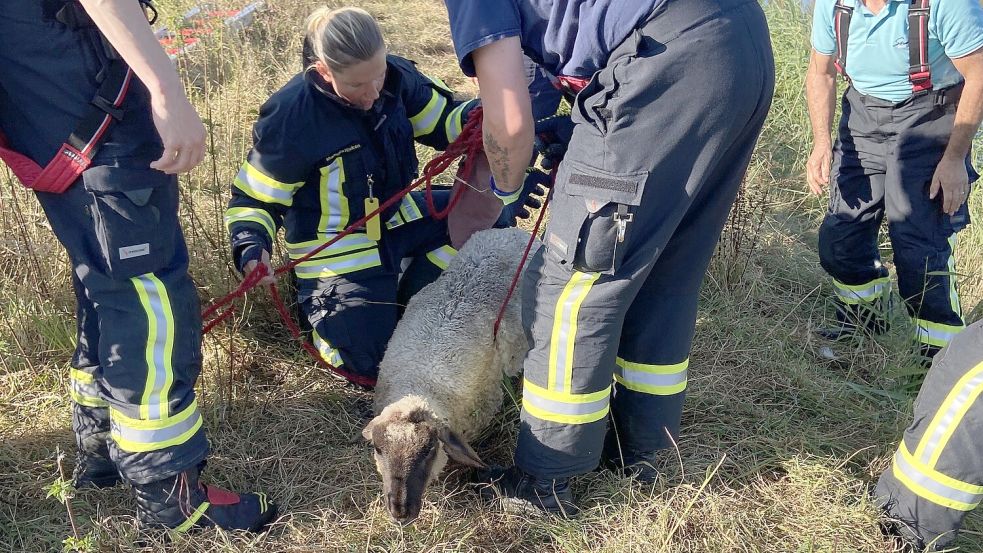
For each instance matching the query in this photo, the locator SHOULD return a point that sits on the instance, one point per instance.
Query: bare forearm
(508, 152)
(821, 95)
(124, 24)
(969, 114)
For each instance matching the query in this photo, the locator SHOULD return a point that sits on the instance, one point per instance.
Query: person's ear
(324, 71)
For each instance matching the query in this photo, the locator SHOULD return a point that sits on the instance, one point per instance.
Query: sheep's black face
(408, 456)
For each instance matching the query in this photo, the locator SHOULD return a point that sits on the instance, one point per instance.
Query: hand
(265, 260)
(817, 169)
(952, 179)
(181, 131)
(553, 134)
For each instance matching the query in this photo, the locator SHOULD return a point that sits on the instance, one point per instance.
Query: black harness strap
(919, 72)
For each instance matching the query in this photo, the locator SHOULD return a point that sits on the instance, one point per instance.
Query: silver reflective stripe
(317, 268)
(425, 122)
(442, 256)
(347, 243)
(652, 379)
(158, 343)
(333, 195)
(136, 435)
(968, 392)
(566, 408)
(931, 485)
(330, 354)
(873, 291)
(935, 336)
(564, 328)
(261, 191)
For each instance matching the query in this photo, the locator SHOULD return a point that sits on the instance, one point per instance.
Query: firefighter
(913, 105)
(651, 171)
(97, 103)
(329, 147)
(936, 477)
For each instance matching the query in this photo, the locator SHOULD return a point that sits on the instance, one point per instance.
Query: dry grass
(779, 448)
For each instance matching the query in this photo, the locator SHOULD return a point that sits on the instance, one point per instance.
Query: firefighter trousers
(652, 170)
(138, 353)
(352, 316)
(883, 163)
(936, 476)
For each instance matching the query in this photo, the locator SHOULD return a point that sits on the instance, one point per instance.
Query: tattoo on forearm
(498, 156)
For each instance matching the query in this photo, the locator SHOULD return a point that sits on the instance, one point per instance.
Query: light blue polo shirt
(877, 52)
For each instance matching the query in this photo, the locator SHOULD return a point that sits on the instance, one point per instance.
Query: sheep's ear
(457, 448)
(367, 431)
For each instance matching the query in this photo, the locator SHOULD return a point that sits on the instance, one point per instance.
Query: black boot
(527, 492)
(856, 321)
(94, 468)
(182, 503)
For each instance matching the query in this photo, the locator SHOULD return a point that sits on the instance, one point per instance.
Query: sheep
(440, 380)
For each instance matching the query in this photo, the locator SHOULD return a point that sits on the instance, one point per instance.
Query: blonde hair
(343, 37)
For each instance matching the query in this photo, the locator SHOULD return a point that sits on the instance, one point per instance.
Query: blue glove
(534, 189)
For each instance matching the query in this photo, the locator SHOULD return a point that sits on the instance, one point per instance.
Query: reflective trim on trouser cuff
(187, 524)
(442, 256)
(346, 244)
(328, 353)
(261, 217)
(564, 407)
(950, 413)
(137, 435)
(660, 380)
(261, 187)
(564, 334)
(84, 389)
(935, 334)
(861, 293)
(425, 122)
(340, 265)
(160, 345)
(934, 486)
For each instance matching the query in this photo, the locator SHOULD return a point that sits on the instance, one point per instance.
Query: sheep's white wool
(443, 349)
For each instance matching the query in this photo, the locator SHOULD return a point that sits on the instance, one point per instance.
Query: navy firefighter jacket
(315, 160)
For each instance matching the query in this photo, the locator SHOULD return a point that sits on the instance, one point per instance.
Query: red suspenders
(919, 72)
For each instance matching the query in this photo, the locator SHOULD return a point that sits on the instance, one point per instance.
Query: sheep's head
(411, 448)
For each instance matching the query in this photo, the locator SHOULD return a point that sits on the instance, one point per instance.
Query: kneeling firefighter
(97, 103)
(331, 146)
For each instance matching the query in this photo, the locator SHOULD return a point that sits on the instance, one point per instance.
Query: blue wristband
(506, 197)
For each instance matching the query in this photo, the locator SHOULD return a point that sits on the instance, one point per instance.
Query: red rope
(468, 144)
(525, 257)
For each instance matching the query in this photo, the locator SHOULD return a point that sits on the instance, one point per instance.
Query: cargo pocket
(593, 216)
(135, 216)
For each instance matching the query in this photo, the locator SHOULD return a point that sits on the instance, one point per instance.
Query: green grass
(779, 448)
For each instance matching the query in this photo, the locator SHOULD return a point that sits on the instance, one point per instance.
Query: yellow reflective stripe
(195, 516)
(140, 435)
(861, 293)
(946, 420)
(442, 256)
(335, 211)
(564, 334)
(328, 353)
(411, 212)
(81, 376)
(348, 243)
(455, 122)
(160, 345)
(83, 389)
(340, 265)
(663, 380)
(395, 221)
(563, 407)
(264, 188)
(936, 334)
(953, 292)
(425, 122)
(263, 503)
(932, 485)
(234, 215)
